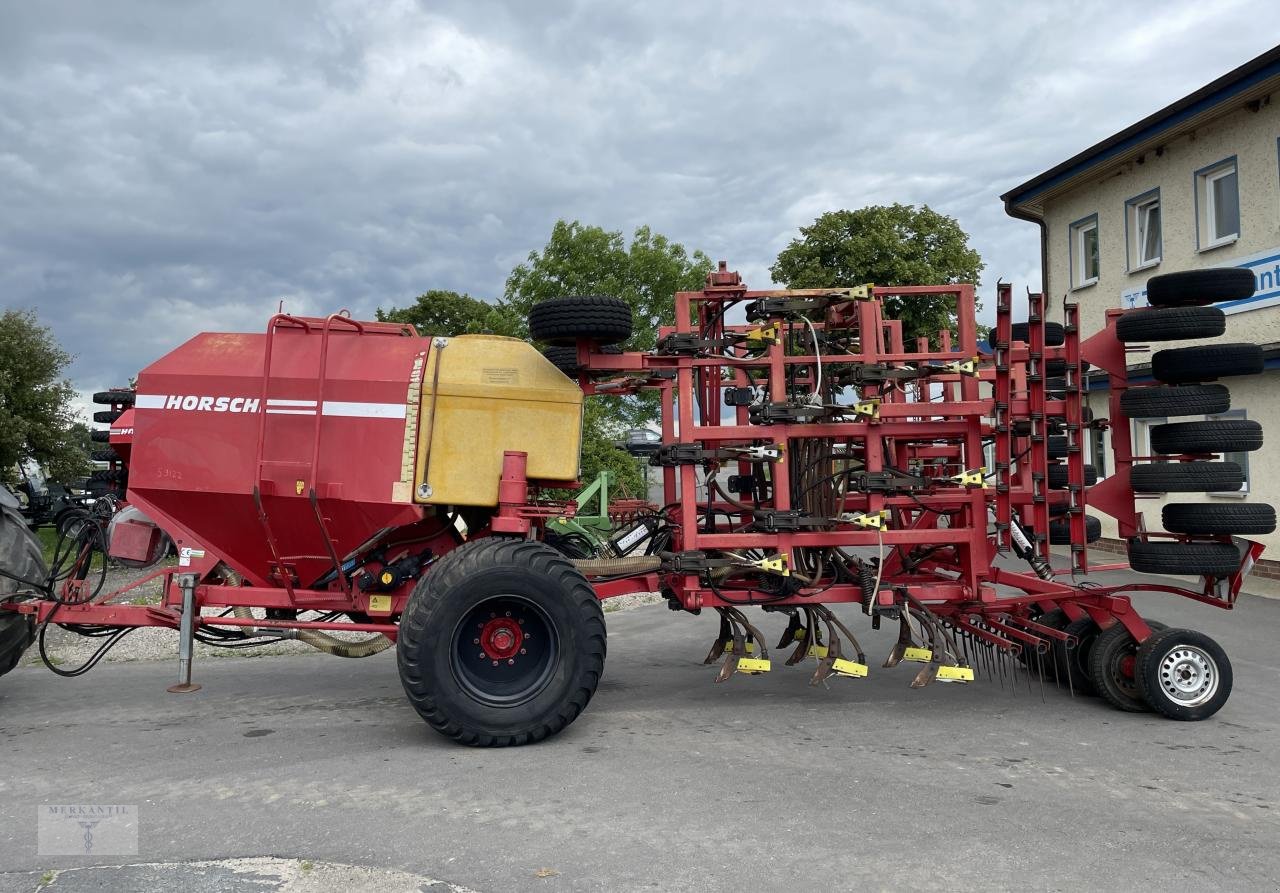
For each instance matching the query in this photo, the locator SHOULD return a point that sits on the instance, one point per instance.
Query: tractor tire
(116, 396)
(21, 556)
(1072, 664)
(1175, 400)
(563, 321)
(462, 663)
(107, 455)
(1198, 287)
(100, 436)
(1183, 674)
(1218, 436)
(1184, 559)
(1187, 477)
(1170, 324)
(565, 358)
(1209, 519)
(1206, 362)
(1054, 334)
(1060, 531)
(1112, 662)
(107, 415)
(1058, 476)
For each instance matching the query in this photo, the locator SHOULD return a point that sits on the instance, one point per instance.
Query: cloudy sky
(168, 167)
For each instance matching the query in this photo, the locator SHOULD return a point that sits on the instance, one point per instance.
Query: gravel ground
(70, 650)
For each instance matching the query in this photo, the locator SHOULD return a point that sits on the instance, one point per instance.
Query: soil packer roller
(333, 475)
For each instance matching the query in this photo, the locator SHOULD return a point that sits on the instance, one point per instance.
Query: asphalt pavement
(667, 782)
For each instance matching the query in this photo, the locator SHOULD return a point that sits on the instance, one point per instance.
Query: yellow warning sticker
(379, 604)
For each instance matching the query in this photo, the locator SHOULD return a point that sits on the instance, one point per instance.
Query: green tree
(885, 245)
(439, 312)
(36, 418)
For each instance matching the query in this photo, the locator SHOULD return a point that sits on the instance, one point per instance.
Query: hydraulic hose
(611, 567)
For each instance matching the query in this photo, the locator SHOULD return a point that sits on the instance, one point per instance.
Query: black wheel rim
(504, 651)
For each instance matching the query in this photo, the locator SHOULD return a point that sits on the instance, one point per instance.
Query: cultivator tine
(904, 642)
(723, 640)
(810, 639)
(743, 641)
(795, 631)
(833, 662)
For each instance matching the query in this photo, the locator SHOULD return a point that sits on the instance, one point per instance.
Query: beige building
(1197, 184)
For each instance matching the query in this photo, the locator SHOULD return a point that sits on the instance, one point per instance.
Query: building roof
(1251, 81)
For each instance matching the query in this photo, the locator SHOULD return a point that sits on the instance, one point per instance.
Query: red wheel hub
(501, 638)
(1127, 664)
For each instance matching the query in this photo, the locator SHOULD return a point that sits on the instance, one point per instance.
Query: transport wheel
(564, 320)
(1175, 400)
(1207, 519)
(502, 643)
(1060, 530)
(1112, 663)
(118, 395)
(1186, 477)
(1196, 287)
(1205, 362)
(1054, 334)
(1170, 324)
(1218, 436)
(100, 436)
(107, 415)
(20, 555)
(1183, 674)
(1195, 559)
(565, 358)
(1058, 476)
(1073, 663)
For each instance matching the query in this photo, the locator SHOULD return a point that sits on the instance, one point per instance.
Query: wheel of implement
(1175, 400)
(100, 436)
(1112, 662)
(1058, 476)
(1170, 324)
(1186, 477)
(564, 320)
(502, 643)
(1204, 519)
(1055, 619)
(1054, 334)
(20, 556)
(1195, 559)
(119, 396)
(107, 455)
(1057, 445)
(565, 358)
(107, 415)
(1183, 674)
(1073, 663)
(1060, 530)
(1206, 362)
(1199, 287)
(1218, 436)
(1058, 368)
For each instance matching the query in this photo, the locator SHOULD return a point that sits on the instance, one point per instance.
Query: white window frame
(1205, 210)
(1076, 252)
(1137, 219)
(1243, 456)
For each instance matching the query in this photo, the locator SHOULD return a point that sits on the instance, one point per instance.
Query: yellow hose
(610, 567)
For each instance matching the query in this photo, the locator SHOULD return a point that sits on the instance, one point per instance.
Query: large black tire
(100, 436)
(1054, 334)
(1217, 436)
(1193, 287)
(565, 357)
(115, 396)
(1060, 530)
(1057, 446)
(1183, 674)
(565, 320)
(1170, 324)
(1058, 367)
(1189, 559)
(1206, 362)
(1112, 664)
(1187, 477)
(107, 415)
(1212, 519)
(20, 555)
(107, 455)
(1175, 400)
(456, 685)
(1073, 663)
(1058, 476)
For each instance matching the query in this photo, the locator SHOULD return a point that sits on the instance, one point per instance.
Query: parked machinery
(342, 475)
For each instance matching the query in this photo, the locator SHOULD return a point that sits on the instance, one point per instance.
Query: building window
(1098, 451)
(1241, 457)
(1142, 229)
(1217, 205)
(1142, 437)
(1084, 252)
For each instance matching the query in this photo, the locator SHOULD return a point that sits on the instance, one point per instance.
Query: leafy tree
(886, 245)
(439, 312)
(36, 418)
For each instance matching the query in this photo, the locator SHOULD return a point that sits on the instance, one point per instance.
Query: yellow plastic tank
(483, 395)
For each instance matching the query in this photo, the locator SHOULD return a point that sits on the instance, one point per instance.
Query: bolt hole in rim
(504, 651)
(1188, 676)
